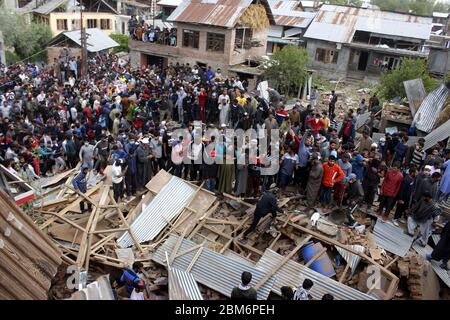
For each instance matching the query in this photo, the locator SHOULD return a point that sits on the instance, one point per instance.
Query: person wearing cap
(389, 191)
(266, 204)
(244, 291)
(422, 215)
(332, 174)
(314, 180)
(144, 166)
(79, 183)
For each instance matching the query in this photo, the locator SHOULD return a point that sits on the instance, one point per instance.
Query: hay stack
(255, 17)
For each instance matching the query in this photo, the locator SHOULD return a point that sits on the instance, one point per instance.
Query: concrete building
(110, 16)
(209, 32)
(291, 21)
(356, 42)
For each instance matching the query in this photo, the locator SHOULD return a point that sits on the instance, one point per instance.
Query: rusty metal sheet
(431, 107)
(28, 258)
(221, 13)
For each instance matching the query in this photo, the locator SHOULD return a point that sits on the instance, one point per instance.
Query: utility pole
(83, 41)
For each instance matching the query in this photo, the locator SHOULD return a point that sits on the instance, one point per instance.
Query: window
(215, 42)
(92, 23)
(243, 39)
(190, 38)
(76, 24)
(326, 55)
(61, 24)
(105, 24)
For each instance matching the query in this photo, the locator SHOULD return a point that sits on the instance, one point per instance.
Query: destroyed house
(291, 21)
(217, 33)
(358, 42)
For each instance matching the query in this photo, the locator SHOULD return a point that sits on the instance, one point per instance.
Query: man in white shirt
(178, 156)
(117, 179)
(5, 109)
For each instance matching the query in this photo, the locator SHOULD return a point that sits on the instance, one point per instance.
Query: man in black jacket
(422, 216)
(244, 291)
(405, 194)
(267, 204)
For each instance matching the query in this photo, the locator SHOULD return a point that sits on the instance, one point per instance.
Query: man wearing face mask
(87, 154)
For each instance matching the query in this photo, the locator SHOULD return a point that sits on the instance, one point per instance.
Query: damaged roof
(220, 13)
(339, 24)
(290, 13)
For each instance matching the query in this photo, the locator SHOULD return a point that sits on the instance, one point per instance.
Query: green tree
(122, 40)
(391, 82)
(27, 39)
(288, 68)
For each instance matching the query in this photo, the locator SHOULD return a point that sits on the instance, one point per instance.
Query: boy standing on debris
(80, 184)
(302, 292)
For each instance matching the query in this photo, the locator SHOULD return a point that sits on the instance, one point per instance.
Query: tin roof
(415, 92)
(432, 105)
(443, 274)
(351, 258)
(220, 13)
(182, 286)
(293, 273)
(162, 209)
(339, 23)
(49, 6)
(28, 258)
(392, 238)
(290, 13)
(97, 39)
(212, 269)
(438, 134)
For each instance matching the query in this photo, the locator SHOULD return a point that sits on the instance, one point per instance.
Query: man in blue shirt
(130, 279)
(80, 184)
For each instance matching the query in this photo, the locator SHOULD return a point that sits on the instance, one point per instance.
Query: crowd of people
(50, 120)
(142, 31)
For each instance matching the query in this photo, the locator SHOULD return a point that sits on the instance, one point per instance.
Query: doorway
(362, 62)
(155, 60)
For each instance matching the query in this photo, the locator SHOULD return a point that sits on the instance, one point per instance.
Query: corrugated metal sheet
(339, 23)
(97, 39)
(221, 13)
(392, 238)
(439, 134)
(97, 290)
(275, 31)
(362, 120)
(431, 107)
(443, 274)
(293, 32)
(212, 269)
(292, 274)
(415, 92)
(351, 258)
(28, 258)
(182, 286)
(49, 6)
(166, 205)
(290, 13)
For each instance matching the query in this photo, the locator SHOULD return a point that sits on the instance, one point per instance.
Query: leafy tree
(122, 40)
(27, 39)
(288, 67)
(391, 82)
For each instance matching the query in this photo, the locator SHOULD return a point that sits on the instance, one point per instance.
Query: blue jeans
(210, 184)
(325, 196)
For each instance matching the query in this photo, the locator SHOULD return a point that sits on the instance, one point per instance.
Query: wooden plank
(315, 257)
(194, 260)
(177, 246)
(344, 273)
(281, 263)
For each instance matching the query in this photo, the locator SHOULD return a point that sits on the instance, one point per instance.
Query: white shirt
(116, 174)
(137, 295)
(176, 158)
(5, 110)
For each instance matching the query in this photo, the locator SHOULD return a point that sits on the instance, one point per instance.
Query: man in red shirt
(389, 190)
(332, 174)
